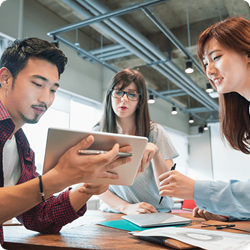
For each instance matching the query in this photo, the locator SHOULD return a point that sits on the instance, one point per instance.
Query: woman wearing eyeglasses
(126, 112)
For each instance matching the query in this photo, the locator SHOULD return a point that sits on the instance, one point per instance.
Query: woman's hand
(200, 213)
(93, 188)
(175, 184)
(149, 153)
(139, 208)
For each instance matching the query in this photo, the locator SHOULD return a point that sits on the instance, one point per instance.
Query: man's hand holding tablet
(66, 153)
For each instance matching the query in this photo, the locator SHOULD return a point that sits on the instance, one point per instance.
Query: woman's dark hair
(142, 119)
(15, 57)
(234, 34)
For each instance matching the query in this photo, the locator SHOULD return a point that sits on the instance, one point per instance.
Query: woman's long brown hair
(234, 34)
(142, 119)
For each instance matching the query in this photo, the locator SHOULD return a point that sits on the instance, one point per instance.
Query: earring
(7, 92)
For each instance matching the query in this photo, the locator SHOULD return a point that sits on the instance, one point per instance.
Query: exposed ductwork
(131, 41)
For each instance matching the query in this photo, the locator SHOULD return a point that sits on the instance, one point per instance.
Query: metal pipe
(198, 110)
(167, 32)
(105, 16)
(110, 53)
(185, 111)
(80, 50)
(106, 49)
(136, 38)
(128, 45)
(188, 30)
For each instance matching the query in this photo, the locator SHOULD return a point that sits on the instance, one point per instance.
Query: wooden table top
(88, 235)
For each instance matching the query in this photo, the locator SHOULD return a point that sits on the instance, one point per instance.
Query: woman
(126, 112)
(224, 51)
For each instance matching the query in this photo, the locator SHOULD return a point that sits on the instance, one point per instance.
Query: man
(29, 75)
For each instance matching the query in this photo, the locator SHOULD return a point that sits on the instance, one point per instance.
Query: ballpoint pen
(173, 168)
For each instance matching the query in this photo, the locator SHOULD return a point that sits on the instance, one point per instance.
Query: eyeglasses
(131, 95)
(223, 226)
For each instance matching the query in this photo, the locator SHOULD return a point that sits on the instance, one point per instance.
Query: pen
(173, 168)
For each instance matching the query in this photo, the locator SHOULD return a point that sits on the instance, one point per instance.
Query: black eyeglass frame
(125, 92)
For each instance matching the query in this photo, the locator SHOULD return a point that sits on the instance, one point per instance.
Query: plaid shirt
(46, 217)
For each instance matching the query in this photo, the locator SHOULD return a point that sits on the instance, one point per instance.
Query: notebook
(60, 140)
(156, 219)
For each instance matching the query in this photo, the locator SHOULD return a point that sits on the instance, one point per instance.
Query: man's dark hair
(15, 57)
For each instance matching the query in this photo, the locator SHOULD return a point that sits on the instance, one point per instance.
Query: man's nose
(45, 97)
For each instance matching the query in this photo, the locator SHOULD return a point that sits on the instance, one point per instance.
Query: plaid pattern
(46, 217)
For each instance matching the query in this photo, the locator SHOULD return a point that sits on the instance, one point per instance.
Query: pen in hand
(173, 168)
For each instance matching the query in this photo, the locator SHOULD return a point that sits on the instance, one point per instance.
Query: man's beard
(30, 121)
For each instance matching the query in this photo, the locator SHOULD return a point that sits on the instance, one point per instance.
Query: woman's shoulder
(155, 127)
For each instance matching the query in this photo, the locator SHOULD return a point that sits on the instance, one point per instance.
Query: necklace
(127, 132)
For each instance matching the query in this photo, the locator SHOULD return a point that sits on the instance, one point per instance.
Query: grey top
(145, 188)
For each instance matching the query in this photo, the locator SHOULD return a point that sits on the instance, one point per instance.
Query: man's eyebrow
(45, 79)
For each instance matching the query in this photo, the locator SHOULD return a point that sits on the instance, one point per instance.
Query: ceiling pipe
(168, 33)
(112, 54)
(117, 36)
(80, 50)
(106, 49)
(145, 46)
(185, 111)
(135, 37)
(125, 44)
(105, 16)
(135, 51)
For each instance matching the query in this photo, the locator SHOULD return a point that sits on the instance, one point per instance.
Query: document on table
(206, 239)
(82, 221)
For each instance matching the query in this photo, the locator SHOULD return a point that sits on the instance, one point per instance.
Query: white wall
(200, 162)
(227, 162)
(9, 17)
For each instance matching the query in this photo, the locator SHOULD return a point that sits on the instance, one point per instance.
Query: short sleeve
(160, 137)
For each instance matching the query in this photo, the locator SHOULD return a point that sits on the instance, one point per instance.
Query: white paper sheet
(206, 239)
(85, 220)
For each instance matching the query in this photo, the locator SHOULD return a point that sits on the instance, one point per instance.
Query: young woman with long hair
(224, 52)
(126, 112)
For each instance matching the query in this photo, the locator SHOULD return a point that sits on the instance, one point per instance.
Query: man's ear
(5, 76)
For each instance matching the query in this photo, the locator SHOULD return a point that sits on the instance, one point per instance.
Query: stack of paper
(206, 239)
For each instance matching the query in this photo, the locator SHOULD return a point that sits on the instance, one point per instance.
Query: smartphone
(97, 152)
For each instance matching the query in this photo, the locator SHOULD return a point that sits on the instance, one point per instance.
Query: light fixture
(200, 130)
(174, 110)
(151, 99)
(191, 119)
(209, 88)
(189, 68)
(205, 127)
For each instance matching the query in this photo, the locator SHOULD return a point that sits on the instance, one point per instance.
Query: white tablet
(156, 219)
(60, 140)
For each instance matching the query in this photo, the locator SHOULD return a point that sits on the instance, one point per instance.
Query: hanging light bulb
(189, 68)
(191, 119)
(151, 99)
(209, 88)
(205, 127)
(174, 110)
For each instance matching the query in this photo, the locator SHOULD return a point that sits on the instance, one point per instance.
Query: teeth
(217, 80)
